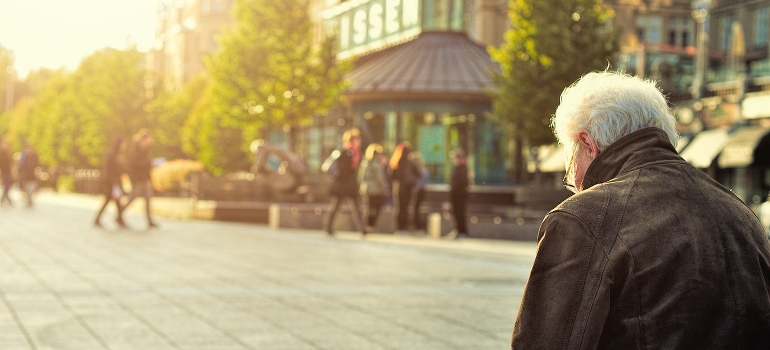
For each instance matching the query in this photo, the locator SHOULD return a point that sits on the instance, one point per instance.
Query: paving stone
(216, 285)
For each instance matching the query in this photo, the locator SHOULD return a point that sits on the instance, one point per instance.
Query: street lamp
(700, 10)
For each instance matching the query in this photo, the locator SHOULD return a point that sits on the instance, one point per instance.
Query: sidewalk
(202, 284)
(183, 209)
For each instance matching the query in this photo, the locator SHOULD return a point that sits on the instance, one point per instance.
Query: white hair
(610, 105)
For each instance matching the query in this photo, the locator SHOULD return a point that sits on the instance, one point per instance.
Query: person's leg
(329, 222)
(404, 196)
(7, 183)
(355, 211)
(147, 194)
(417, 219)
(458, 212)
(29, 188)
(119, 218)
(131, 195)
(375, 204)
(107, 199)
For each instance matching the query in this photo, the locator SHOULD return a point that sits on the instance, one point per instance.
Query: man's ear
(587, 141)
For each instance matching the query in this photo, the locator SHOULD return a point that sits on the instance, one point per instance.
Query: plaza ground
(196, 284)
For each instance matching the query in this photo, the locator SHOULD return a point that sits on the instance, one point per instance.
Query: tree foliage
(72, 117)
(551, 43)
(220, 147)
(6, 67)
(269, 71)
(169, 111)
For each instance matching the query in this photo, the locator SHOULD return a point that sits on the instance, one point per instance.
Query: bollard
(274, 216)
(434, 225)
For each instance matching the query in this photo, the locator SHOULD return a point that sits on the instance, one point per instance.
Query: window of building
(216, 6)
(648, 27)
(680, 28)
(443, 14)
(724, 32)
(762, 18)
(205, 6)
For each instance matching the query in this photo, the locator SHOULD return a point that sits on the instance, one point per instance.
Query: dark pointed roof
(435, 65)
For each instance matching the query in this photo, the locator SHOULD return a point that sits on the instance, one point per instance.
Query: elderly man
(650, 253)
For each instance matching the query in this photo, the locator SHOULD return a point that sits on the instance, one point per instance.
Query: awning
(756, 105)
(435, 65)
(706, 145)
(739, 151)
(553, 162)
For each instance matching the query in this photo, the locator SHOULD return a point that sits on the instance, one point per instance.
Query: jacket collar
(628, 153)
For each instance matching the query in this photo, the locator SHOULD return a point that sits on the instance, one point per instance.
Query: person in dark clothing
(111, 182)
(28, 162)
(458, 193)
(418, 192)
(139, 171)
(343, 166)
(650, 252)
(404, 175)
(6, 165)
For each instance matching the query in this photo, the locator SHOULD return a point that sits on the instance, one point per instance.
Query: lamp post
(700, 10)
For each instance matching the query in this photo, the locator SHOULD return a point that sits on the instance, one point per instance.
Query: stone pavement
(212, 285)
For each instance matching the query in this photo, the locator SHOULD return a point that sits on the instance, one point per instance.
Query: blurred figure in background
(28, 162)
(418, 193)
(6, 165)
(405, 174)
(139, 168)
(374, 183)
(111, 182)
(342, 165)
(458, 193)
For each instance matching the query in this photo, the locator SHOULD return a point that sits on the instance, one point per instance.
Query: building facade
(185, 33)
(401, 86)
(421, 74)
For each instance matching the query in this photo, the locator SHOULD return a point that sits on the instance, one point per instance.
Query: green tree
(270, 72)
(551, 43)
(220, 147)
(169, 111)
(6, 69)
(111, 99)
(72, 117)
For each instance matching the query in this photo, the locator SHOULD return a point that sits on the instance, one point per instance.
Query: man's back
(652, 255)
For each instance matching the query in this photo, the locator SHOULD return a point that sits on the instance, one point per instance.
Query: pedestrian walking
(28, 163)
(649, 252)
(458, 193)
(111, 181)
(404, 175)
(342, 165)
(139, 172)
(6, 175)
(418, 193)
(374, 183)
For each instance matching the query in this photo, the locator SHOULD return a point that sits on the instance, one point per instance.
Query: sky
(61, 33)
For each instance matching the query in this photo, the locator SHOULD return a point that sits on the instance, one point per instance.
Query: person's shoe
(451, 235)
(369, 229)
(152, 225)
(329, 232)
(122, 224)
(98, 224)
(461, 236)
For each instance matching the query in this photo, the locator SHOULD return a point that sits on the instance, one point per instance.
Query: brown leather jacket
(653, 254)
